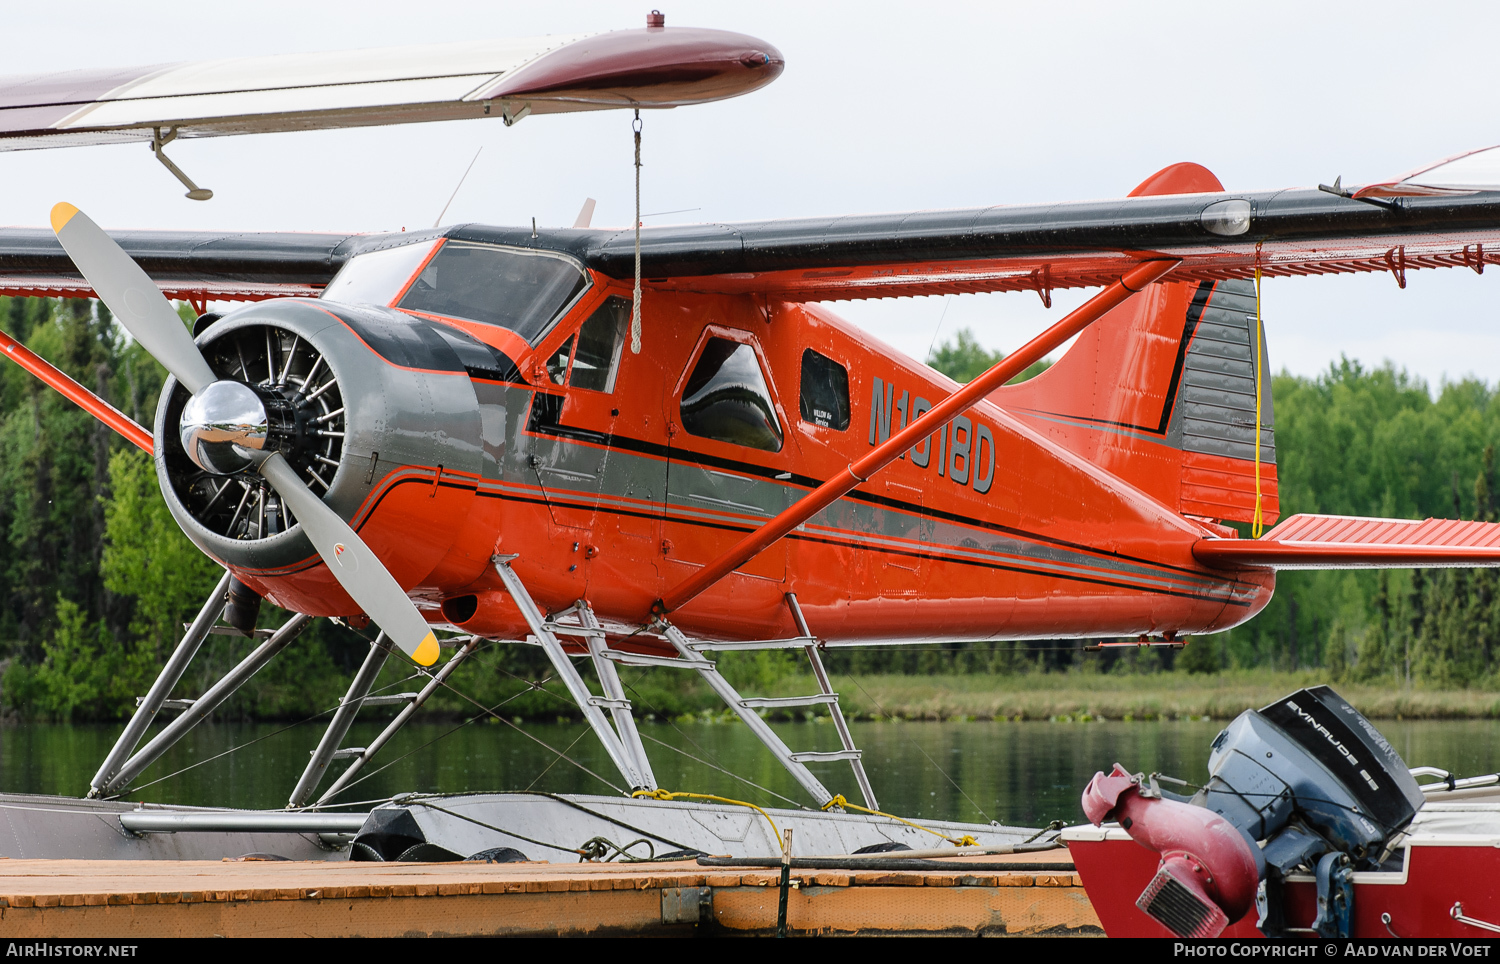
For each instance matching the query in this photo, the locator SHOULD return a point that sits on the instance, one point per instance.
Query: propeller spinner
(228, 426)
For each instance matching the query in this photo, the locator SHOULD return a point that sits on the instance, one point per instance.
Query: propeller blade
(132, 296)
(356, 567)
(146, 314)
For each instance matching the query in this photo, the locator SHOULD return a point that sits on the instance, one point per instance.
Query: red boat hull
(1438, 873)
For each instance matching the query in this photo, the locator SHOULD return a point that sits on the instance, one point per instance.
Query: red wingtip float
(456, 418)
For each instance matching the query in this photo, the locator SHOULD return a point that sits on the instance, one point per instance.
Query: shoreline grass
(1082, 696)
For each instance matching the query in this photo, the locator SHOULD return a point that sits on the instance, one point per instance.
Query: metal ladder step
(640, 659)
(820, 756)
(605, 702)
(566, 629)
(780, 701)
(169, 704)
(230, 631)
(796, 642)
(388, 700)
(347, 752)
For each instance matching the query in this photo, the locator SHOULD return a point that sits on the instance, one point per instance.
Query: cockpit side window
(557, 365)
(726, 398)
(825, 391)
(599, 343)
(525, 291)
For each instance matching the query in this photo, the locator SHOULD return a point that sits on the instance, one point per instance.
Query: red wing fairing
(1307, 541)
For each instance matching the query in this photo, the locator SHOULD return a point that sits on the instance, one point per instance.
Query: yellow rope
(1257, 525)
(839, 801)
(673, 795)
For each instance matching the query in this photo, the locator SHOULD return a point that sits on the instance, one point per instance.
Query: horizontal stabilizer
(1307, 541)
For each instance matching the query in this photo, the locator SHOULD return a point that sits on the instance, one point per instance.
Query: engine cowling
(378, 405)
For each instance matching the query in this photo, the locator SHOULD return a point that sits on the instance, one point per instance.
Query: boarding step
(231, 631)
(829, 756)
(771, 703)
(567, 630)
(640, 659)
(388, 700)
(169, 704)
(707, 646)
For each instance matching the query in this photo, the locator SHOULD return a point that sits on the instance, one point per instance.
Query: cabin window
(599, 343)
(825, 391)
(726, 398)
(525, 291)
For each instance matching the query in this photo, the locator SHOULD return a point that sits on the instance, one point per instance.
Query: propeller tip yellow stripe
(427, 650)
(62, 213)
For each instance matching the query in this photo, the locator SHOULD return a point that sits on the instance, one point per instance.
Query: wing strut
(91, 403)
(1134, 280)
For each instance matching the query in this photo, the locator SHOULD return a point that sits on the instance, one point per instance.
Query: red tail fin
(1162, 391)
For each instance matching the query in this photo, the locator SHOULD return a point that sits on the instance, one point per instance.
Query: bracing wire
(924, 753)
(635, 300)
(712, 766)
(535, 739)
(441, 736)
(265, 736)
(553, 762)
(1258, 524)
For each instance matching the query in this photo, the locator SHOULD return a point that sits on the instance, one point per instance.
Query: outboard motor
(1305, 783)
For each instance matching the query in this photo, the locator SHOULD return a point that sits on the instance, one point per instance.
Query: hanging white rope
(635, 305)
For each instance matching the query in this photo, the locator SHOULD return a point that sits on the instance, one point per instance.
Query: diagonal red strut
(965, 398)
(91, 403)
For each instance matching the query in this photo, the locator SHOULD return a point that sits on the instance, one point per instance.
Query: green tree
(147, 557)
(965, 359)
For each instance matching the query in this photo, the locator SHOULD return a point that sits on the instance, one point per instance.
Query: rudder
(1162, 391)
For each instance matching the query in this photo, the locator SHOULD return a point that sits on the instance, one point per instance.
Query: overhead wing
(654, 67)
(1307, 541)
(192, 265)
(1215, 235)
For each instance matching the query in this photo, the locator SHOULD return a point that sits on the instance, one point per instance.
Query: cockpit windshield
(378, 277)
(525, 291)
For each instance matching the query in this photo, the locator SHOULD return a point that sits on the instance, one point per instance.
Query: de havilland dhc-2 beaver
(640, 447)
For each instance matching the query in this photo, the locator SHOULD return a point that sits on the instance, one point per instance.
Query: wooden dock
(245, 898)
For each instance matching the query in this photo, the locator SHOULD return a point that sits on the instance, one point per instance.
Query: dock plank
(123, 899)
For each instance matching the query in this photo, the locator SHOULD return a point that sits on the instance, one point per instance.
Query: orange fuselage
(1000, 529)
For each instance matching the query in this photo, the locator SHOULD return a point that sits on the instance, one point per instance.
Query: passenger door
(725, 433)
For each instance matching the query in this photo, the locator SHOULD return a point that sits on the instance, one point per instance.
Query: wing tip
(62, 213)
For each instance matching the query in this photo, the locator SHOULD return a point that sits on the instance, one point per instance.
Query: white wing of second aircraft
(651, 68)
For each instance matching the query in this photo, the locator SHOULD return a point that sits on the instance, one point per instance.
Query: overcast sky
(883, 107)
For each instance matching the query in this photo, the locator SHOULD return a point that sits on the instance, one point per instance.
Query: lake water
(1016, 773)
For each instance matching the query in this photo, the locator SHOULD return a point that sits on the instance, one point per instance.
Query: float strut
(165, 681)
(204, 705)
(343, 717)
